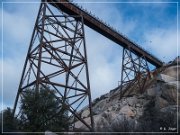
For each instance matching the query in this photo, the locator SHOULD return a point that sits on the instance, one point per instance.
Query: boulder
(131, 100)
(80, 126)
(151, 92)
(143, 112)
(175, 84)
(165, 78)
(161, 103)
(172, 71)
(85, 113)
(102, 125)
(139, 111)
(127, 110)
(109, 115)
(169, 93)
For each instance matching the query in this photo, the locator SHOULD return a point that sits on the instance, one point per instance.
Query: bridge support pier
(57, 60)
(134, 72)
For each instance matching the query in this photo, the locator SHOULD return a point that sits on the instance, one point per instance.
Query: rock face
(165, 78)
(155, 110)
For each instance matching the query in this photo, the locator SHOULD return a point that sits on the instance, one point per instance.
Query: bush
(42, 112)
(9, 122)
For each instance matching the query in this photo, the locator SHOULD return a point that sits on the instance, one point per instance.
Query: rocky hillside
(154, 110)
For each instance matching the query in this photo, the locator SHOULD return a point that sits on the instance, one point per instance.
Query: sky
(151, 24)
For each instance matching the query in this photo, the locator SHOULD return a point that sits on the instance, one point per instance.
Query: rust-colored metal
(134, 72)
(94, 23)
(57, 59)
(139, 70)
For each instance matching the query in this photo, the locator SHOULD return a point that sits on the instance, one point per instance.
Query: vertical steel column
(134, 72)
(57, 58)
(122, 72)
(26, 61)
(38, 81)
(88, 82)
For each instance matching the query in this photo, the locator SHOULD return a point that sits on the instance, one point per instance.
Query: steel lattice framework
(135, 70)
(135, 58)
(57, 59)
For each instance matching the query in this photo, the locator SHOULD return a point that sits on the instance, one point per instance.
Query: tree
(9, 122)
(42, 111)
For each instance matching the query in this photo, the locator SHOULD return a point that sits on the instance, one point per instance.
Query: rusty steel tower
(135, 71)
(57, 59)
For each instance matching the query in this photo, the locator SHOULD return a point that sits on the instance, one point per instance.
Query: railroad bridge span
(58, 42)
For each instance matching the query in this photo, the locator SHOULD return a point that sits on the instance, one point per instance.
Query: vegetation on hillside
(40, 112)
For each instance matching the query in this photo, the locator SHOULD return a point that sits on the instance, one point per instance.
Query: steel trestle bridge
(58, 43)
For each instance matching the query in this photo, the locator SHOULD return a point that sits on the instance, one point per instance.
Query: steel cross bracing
(58, 44)
(57, 60)
(135, 72)
(102, 28)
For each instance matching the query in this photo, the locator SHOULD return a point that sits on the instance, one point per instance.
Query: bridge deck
(105, 30)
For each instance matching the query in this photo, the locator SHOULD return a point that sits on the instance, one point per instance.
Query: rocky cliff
(154, 110)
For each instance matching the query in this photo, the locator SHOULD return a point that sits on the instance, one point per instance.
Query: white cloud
(111, 14)
(16, 27)
(104, 59)
(104, 56)
(12, 69)
(163, 42)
